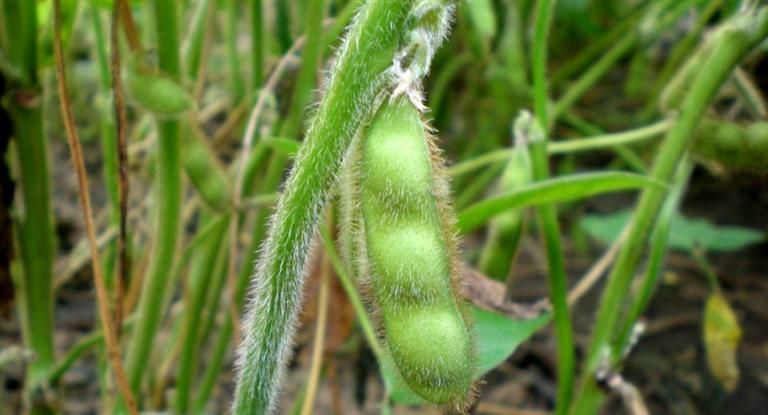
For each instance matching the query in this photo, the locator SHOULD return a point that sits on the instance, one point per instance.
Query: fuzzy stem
(355, 81)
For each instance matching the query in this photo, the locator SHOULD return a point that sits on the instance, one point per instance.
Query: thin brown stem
(123, 268)
(129, 27)
(597, 270)
(113, 350)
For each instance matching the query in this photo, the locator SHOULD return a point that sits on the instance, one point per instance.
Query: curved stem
(737, 37)
(355, 81)
(570, 146)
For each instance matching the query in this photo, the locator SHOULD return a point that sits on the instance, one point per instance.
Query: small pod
(411, 256)
(155, 92)
(205, 172)
(732, 145)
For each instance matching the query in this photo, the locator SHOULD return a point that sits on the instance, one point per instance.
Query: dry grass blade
(110, 338)
(598, 269)
(317, 346)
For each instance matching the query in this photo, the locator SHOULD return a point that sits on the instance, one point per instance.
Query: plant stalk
(168, 196)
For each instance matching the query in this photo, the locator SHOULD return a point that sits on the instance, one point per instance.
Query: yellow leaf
(722, 334)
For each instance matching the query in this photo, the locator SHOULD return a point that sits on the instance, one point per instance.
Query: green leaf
(483, 18)
(561, 189)
(497, 338)
(285, 146)
(685, 233)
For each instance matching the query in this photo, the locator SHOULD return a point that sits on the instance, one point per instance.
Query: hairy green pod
(155, 92)
(204, 170)
(734, 146)
(411, 256)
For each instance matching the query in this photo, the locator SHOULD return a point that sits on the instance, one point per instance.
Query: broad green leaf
(561, 189)
(497, 338)
(685, 233)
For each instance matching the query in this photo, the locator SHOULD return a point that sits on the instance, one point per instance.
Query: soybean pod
(742, 147)
(203, 169)
(411, 256)
(154, 91)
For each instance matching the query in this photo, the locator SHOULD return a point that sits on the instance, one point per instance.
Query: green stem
(355, 82)
(199, 284)
(213, 368)
(78, 350)
(305, 81)
(658, 251)
(700, 256)
(611, 140)
(108, 139)
(542, 24)
(595, 72)
(168, 196)
(35, 233)
(737, 38)
(626, 154)
(477, 185)
(558, 284)
(570, 146)
(193, 44)
(257, 45)
(238, 91)
(680, 51)
(598, 46)
(641, 35)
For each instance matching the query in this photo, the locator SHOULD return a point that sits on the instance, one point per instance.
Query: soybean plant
(360, 74)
